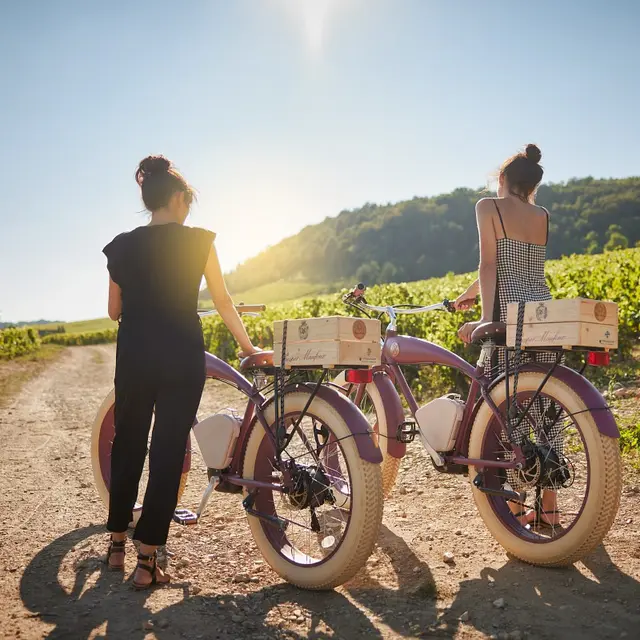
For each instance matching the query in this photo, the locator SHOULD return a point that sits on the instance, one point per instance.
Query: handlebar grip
(359, 290)
(250, 308)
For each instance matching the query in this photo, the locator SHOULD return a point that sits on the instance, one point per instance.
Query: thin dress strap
(501, 222)
(546, 240)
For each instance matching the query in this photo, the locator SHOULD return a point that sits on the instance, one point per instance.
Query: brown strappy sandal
(116, 546)
(142, 558)
(540, 518)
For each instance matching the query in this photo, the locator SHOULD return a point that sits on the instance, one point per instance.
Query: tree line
(428, 237)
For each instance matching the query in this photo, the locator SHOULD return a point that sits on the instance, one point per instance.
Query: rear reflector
(359, 376)
(598, 358)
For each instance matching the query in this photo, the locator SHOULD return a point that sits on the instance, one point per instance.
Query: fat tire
(98, 480)
(390, 465)
(366, 504)
(604, 483)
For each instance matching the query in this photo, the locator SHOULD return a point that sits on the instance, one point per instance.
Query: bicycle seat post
(486, 353)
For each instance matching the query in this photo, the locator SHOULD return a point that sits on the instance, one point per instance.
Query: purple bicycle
(304, 459)
(538, 427)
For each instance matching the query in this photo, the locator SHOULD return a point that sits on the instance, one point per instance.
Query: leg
(176, 408)
(133, 413)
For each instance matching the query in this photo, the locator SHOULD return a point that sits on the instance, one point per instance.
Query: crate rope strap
(513, 409)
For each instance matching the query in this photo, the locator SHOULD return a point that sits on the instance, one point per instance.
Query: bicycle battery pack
(439, 421)
(216, 437)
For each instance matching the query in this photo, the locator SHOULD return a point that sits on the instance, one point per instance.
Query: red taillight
(359, 376)
(599, 358)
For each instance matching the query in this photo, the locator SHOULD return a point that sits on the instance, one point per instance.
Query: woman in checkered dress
(513, 241)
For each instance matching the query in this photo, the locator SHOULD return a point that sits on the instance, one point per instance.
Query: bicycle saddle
(257, 361)
(496, 331)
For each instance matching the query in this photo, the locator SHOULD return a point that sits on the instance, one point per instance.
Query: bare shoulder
(485, 207)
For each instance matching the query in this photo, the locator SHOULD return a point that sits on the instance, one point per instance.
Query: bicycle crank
(478, 483)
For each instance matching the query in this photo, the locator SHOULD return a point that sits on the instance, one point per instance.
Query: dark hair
(523, 172)
(159, 180)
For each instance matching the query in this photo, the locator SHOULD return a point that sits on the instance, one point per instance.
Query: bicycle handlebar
(242, 309)
(356, 297)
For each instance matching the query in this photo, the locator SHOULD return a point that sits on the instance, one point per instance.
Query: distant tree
(616, 239)
(369, 273)
(388, 273)
(592, 243)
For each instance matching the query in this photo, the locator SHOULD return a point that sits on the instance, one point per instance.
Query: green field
(281, 291)
(609, 276)
(81, 326)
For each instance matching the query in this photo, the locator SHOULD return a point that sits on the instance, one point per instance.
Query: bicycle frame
(257, 404)
(405, 350)
(400, 350)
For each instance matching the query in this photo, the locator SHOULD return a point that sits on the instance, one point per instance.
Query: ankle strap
(145, 558)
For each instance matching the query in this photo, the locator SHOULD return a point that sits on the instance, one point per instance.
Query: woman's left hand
(465, 331)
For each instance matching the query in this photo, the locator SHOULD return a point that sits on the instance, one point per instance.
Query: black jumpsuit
(159, 363)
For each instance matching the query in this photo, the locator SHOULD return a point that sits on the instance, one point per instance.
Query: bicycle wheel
(326, 539)
(372, 407)
(102, 434)
(565, 453)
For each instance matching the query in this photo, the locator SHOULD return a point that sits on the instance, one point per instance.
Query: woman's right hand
(245, 353)
(464, 301)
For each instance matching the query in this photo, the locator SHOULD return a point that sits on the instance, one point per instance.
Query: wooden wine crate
(567, 310)
(330, 342)
(569, 323)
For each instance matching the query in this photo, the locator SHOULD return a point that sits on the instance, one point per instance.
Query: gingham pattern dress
(520, 278)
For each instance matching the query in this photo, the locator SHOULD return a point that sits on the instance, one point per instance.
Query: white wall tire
(366, 504)
(604, 482)
(390, 465)
(102, 426)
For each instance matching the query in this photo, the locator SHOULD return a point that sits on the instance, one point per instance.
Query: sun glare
(314, 17)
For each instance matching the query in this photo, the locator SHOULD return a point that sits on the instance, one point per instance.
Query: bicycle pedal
(406, 432)
(185, 517)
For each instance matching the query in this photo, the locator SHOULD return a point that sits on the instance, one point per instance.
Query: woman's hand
(245, 353)
(465, 301)
(465, 331)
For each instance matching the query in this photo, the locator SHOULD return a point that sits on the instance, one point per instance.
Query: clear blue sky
(283, 112)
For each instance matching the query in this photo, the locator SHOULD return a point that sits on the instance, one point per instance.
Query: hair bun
(151, 165)
(533, 153)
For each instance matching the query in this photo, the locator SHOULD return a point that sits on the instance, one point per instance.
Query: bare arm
(224, 304)
(115, 300)
(487, 271)
(467, 299)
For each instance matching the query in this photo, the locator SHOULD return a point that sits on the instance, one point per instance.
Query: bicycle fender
(394, 415)
(219, 369)
(368, 449)
(592, 398)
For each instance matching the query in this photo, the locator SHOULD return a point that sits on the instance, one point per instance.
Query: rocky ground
(53, 582)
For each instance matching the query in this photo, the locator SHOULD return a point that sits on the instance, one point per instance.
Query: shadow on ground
(102, 604)
(543, 603)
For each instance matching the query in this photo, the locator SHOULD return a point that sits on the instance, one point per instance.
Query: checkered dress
(520, 278)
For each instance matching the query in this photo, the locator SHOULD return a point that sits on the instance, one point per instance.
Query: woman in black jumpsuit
(155, 274)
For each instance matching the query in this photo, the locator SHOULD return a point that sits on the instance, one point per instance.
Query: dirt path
(53, 584)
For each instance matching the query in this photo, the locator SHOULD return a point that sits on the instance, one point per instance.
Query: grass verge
(15, 373)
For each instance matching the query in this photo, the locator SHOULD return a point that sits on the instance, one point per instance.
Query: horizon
(37, 321)
(283, 113)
